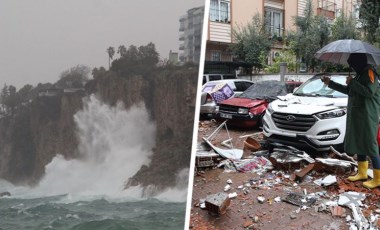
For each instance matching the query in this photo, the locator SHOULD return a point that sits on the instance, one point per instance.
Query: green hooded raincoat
(362, 113)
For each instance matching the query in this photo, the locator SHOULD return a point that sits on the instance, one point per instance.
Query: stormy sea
(88, 192)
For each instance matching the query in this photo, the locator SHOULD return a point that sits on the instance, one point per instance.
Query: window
(215, 56)
(242, 85)
(215, 77)
(274, 21)
(220, 11)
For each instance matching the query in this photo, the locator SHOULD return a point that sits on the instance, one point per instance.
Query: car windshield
(265, 90)
(315, 87)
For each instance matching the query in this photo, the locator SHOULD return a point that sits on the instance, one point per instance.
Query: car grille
(228, 109)
(293, 122)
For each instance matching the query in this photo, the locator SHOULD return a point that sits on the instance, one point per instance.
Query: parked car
(217, 77)
(248, 109)
(209, 102)
(313, 117)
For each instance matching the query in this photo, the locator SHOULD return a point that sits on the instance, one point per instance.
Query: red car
(248, 109)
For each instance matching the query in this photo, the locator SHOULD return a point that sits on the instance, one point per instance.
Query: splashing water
(87, 193)
(113, 144)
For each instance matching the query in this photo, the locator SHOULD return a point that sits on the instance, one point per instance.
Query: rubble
(268, 183)
(301, 174)
(217, 203)
(326, 181)
(300, 200)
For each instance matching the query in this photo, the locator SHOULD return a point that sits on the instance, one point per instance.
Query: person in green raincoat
(363, 110)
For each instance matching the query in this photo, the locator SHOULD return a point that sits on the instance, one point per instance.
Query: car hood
(306, 105)
(243, 102)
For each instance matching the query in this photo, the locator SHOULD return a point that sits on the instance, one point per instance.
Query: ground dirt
(246, 212)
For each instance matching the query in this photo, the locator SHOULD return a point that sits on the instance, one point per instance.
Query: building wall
(190, 35)
(290, 11)
(243, 13)
(220, 34)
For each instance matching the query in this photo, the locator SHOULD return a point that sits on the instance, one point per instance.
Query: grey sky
(42, 38)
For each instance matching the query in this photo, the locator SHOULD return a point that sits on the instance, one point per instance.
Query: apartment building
(227, 15)
(190, 36)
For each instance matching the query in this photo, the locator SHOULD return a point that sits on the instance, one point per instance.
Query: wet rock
(5, 194)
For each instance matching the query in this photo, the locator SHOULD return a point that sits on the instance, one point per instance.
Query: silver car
(213, 92)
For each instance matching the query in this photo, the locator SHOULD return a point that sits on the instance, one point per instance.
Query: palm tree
(111, 52)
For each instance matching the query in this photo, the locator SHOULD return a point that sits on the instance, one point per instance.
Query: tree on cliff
(137, 61)
(75, 77)
(111, 52)
(24, 94)
(97, 73)
(121, 50)
(4, 93)
(9, 98)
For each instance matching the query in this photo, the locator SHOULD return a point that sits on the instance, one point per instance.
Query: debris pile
(283, 175)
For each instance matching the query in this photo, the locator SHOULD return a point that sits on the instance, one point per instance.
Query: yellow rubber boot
(375, 182)
(362, 172)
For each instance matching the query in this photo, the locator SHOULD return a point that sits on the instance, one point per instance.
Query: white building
(190, 36)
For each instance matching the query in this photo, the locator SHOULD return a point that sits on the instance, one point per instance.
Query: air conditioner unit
(275, 54)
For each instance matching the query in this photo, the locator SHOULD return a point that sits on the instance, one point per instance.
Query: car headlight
(270, 109)
(332, 114)
(242, 111)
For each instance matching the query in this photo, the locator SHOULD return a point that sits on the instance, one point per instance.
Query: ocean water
(56, 213)
(88, 192)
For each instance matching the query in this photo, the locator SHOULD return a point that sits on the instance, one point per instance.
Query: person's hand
(325, 80)
(348, 79)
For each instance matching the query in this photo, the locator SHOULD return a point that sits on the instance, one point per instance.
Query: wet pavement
(260, 204)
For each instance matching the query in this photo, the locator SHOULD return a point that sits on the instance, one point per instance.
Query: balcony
(182, 37)
(326, 8)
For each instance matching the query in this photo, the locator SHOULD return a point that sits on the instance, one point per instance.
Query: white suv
(314, 116)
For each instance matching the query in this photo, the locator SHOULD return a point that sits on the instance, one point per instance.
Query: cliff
(45, 127)
(35, 134)
(169, 97)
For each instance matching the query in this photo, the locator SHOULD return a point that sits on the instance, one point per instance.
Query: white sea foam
(178, 193)
(113, 144)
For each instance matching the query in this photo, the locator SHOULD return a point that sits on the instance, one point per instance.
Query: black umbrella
(339, 51)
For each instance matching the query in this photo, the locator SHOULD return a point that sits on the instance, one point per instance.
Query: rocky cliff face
(170, 98)
(38, 131)
(35, 134)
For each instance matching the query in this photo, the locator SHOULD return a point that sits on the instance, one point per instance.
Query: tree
(252, 42)
(149, 55)
(24, 93)
(11, 101)
(137, 61)
(311, 35)
(111, 52)
(4, 94)
(97, 73)
(122, 50)
(75, 77)
(369, 13)
(344, 28)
